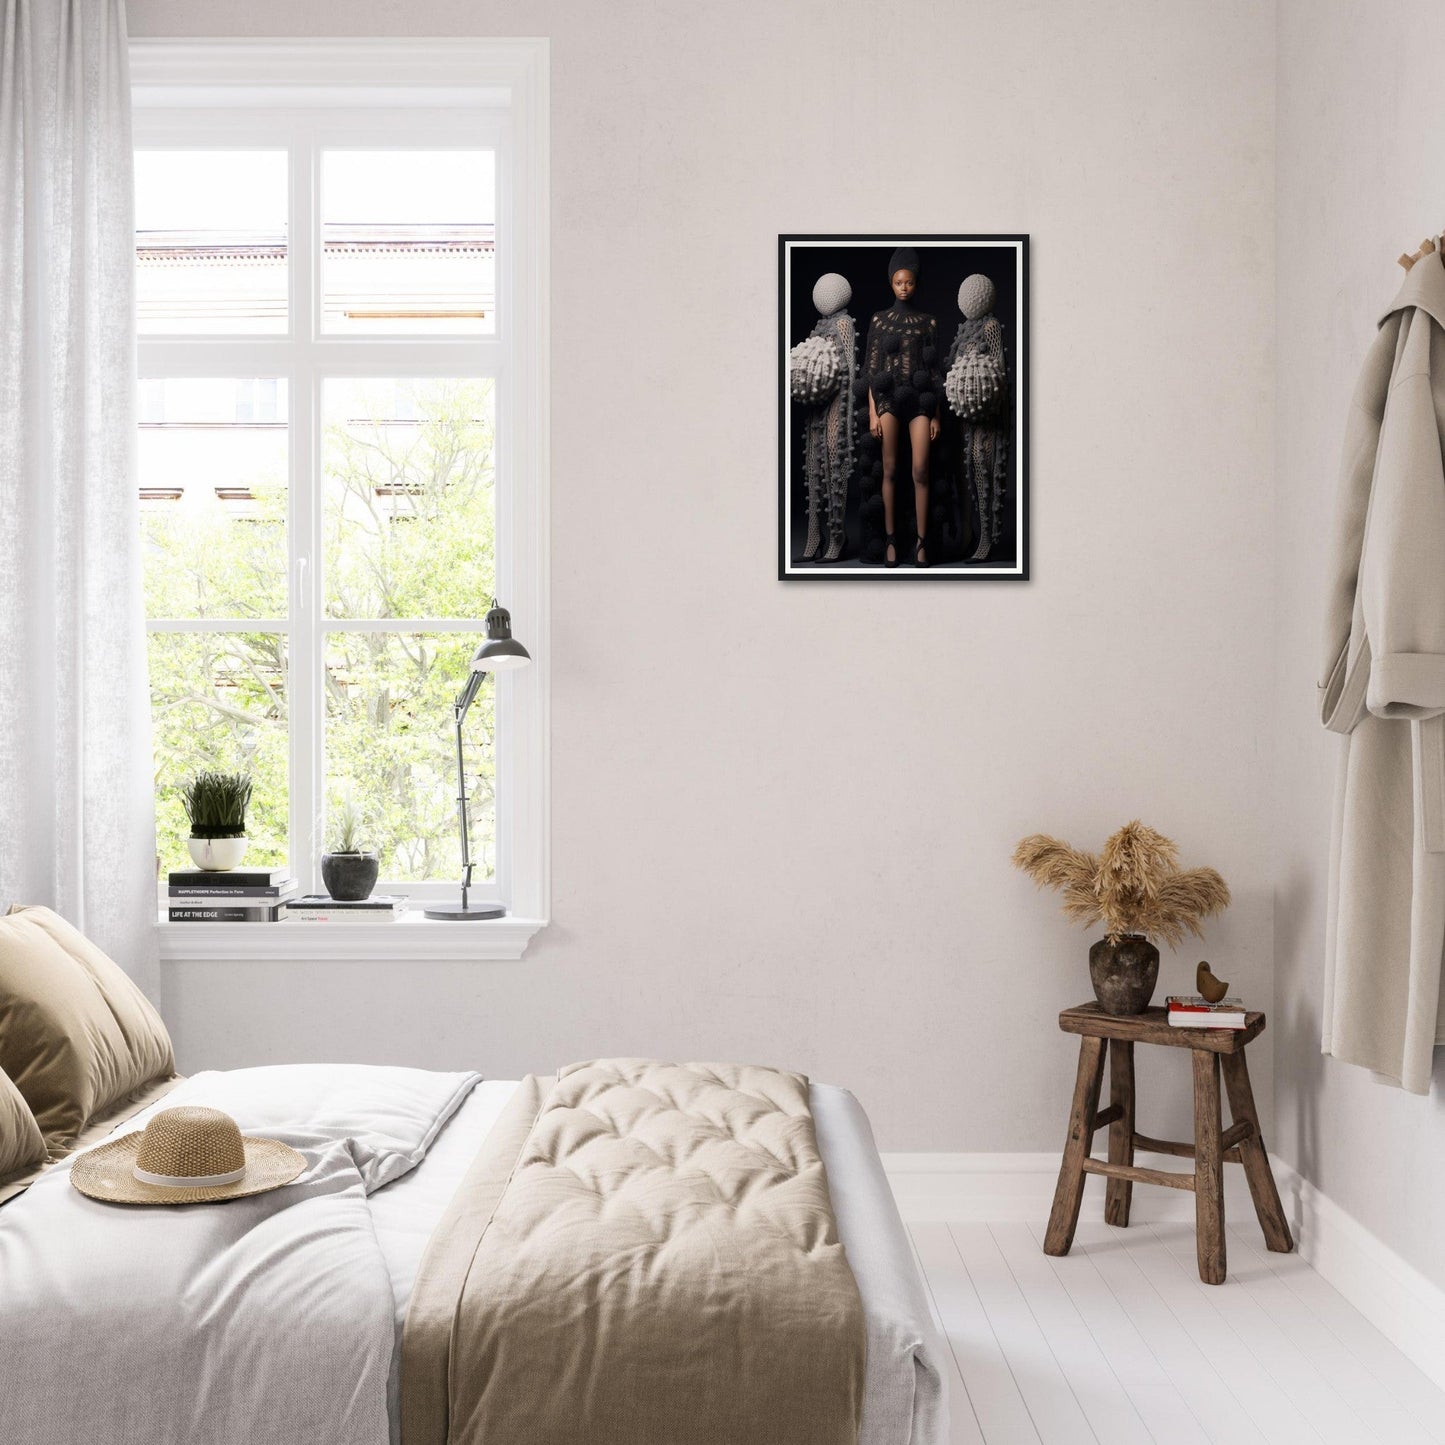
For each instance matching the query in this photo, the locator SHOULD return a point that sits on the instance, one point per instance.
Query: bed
(624, 1252)
(82, 1322)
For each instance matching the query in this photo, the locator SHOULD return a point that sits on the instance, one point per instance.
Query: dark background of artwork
(943, 269)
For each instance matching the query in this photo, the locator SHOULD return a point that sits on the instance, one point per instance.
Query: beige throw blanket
(643, 1254)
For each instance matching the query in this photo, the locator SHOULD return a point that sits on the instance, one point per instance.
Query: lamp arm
(468, 694)
(459, 712)
(463, 702)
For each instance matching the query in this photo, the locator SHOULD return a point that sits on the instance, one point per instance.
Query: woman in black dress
(904, 384)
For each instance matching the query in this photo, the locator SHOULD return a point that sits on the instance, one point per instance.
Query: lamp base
(457, 912)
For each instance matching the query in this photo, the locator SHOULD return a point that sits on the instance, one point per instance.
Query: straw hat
(186, 1155)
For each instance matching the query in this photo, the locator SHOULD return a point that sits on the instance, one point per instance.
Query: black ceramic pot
(1124, 973)
(350, 877)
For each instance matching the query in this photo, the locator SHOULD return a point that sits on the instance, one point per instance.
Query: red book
(1193, 1011)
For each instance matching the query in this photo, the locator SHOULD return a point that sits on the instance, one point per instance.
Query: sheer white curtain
(76, 802)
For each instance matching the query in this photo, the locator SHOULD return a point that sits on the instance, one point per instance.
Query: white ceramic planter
(216, 855)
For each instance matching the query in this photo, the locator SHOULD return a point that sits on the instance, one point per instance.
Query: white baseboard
(1405, 1306)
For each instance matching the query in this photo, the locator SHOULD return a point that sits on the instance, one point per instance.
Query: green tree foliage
(408, 531)
(218, 702)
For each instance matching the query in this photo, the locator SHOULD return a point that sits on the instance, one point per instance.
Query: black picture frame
(944, 261)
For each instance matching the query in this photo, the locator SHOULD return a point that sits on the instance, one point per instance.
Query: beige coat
(1384, 688)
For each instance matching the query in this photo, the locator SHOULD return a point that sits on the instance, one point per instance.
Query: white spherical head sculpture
(831, 293)
(976, 297)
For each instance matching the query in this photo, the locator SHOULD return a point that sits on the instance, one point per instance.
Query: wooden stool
(1212, 1148)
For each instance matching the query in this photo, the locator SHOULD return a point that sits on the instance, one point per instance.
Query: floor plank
(1409, 1385)
(927, 1287)
(1119, 1343)
(1052, 1406)
(963, 1426)
(1367, 1395)
(1278, 1417)
(1192, 1372)
(1308, 1389)
(1161, 1406)
(989, 1395)
(1106, 1405)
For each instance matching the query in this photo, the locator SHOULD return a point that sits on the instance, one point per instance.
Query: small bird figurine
(1210, 987)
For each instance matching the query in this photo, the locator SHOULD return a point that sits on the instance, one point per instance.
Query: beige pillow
(76, 1035)
(22, 1148)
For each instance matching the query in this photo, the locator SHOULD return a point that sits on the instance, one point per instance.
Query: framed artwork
(903, 407)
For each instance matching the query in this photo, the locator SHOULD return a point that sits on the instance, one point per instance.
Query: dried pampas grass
(1052, 864)
(1135, 885)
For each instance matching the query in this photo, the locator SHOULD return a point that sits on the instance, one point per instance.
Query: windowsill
(410, 937)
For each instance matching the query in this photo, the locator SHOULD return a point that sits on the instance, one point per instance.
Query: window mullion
(306, 692)
(218, 624)
(170, 357)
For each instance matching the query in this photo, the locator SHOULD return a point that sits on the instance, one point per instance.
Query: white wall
(1361, 133)
(783, 813)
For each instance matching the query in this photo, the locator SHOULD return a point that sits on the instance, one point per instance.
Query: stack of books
(1193, 1011)
(250, 895)
(318, 908)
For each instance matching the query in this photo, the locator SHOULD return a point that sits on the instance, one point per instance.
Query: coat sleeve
(1402, 564)
(1343, 675)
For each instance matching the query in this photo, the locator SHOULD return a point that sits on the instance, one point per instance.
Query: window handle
(301, 584)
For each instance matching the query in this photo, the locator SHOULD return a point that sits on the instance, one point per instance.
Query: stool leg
(1208, 1169)
(1255, 1157)
(1069, 1195)
(1119, 1193)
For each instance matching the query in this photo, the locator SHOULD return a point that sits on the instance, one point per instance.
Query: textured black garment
(901, 362)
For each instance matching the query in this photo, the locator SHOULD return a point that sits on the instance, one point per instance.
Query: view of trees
(408, 523)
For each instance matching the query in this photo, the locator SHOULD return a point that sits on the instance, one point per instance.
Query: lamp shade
(501, 650)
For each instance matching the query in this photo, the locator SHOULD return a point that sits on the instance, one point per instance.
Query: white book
(343, 915)
(1178, 1020)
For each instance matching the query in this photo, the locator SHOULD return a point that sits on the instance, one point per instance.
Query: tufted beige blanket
(643, 1254)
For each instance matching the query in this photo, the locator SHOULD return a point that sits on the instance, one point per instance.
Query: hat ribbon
(189, 1181)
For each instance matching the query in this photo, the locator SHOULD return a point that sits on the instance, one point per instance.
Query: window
(340, 260)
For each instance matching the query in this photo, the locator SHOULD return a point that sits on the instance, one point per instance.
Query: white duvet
(261, 1320)
(274, 1318)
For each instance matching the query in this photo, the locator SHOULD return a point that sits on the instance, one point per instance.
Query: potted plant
(216, 805)
(1135, 888)
(349, 870)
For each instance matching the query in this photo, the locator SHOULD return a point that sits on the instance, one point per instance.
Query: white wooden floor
(1120, 1343)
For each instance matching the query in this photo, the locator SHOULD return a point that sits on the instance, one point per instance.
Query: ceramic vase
(217, 855)
(1124, 972)
(350, 877)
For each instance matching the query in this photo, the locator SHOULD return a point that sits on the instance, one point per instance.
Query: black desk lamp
(499, 652)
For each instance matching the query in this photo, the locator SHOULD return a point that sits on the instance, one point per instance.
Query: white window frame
(365, 94)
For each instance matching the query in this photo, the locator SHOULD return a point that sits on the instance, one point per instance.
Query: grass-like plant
(216, 804)
(1135, 885)
(346, 834)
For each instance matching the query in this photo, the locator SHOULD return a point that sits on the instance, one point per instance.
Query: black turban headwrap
(905, 258)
